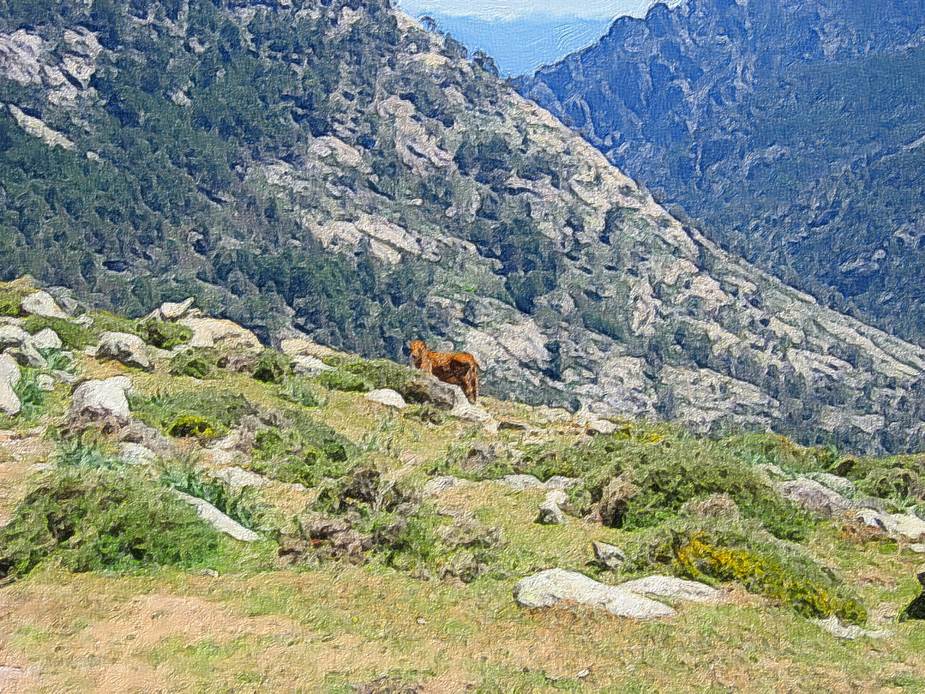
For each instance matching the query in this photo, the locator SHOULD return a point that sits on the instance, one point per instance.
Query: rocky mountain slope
(792, 130)
(334, 169)
(184, 510)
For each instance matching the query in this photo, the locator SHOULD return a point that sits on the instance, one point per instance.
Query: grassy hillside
(388, 541)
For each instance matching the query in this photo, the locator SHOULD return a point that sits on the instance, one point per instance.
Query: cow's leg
(472, 386)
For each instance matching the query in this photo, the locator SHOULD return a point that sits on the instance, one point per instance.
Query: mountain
(331, 168)
(791, 130)
(522, 44)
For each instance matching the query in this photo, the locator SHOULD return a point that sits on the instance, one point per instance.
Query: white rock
(843, 486)
(387, 397)
(100, 399)
(521, 483)
(219, 520)
(850, 632)
(560, 482)
(207, 332)
(608, 556)
(673, 588)
(306, 365)
(550, 510)
(45, 383)
(169, 311)
(47, 339)
(41, 303)
(129, 349)
(19, 343)
(918, 548)
(442, 483)
(897, 524)
(558, 587)
(239, 478)
(10, 374)
(600, 427)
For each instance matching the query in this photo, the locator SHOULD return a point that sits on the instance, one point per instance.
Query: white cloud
(515, 9)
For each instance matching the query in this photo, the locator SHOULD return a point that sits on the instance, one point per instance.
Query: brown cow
(458, 368)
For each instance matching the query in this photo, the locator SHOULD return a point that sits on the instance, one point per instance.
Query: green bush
(194, 363)
(374, 373)
(88, 451)
(195, 427)
(204, 413)
(93, 520)
(73, 336)
(164, 335)
(32, 398)
(272, 367)
(339, 379)
(10, 300)
(299, 391)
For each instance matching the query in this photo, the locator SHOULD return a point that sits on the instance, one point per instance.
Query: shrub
(298, 390)
(272, 367)
(204, 413)
(73, 336)
(194, 363)
(91, 520)
(10, 300)
(376, 373)
(88, 451)
(339, 379)
(164, 335)
(32, 398)
(194, 426)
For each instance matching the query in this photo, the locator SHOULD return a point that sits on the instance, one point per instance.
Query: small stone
(136, 454)
(558, 587)
(47, 339)
(813, 496)
(387, 397)
(306, 365)
(169, 311)
(238, 478)
(18, 344)
(440, 484)
(918, 548)
(550, 510)
(128, 349)
(560, 482)
(45, 383)
(10, 375)
(608, 556)
(600, 427)
(41, 303)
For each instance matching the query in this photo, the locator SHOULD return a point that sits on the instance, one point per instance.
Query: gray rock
(10, 375)
(813, 496)
(440, 484)
(95, 400)
(41, 303)
(387, 397)
(47, 339)
(558, 587)
(65, 377)
(169, 311)
(210, 332)
(849, 632)
(45, 383)
(219, 520)
(18, 343)
(905, 525)
(918, 548)
(608, 556)
(521, 483)
(843, 486)
(673, 588)
(550, 510)
(600, 427)
(136, 453)
(239, 478)
(560, 482)
(128, 349)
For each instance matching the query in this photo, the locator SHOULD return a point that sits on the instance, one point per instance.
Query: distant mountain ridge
(333, 169)
(791, 130)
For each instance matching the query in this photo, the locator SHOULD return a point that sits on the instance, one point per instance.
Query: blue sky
(517, 9)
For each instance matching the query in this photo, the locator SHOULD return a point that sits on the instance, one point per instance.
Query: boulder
(614, 501)
(600, 427)
(41, 303)
(45, 383)
(673, 589)
(387, 397)
(298, 346)
(47, 339)
(560, 482)
(219, 520)
(813, 496)
(559, 588)
(849, 632)
(136, 454)
(440, 484)
(97, 400)
(212, 332)
(608, 556)
(842, 486)
(128, 349)
(18, 343)
(306, 365)
(10, 374)
(426, 389)
(238, 478)
(550, 510)
(904, 525)
(520, 483)
(169, 311)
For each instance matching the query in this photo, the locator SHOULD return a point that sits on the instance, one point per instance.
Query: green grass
(164, 335)
(205, 413)
(201, 364)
